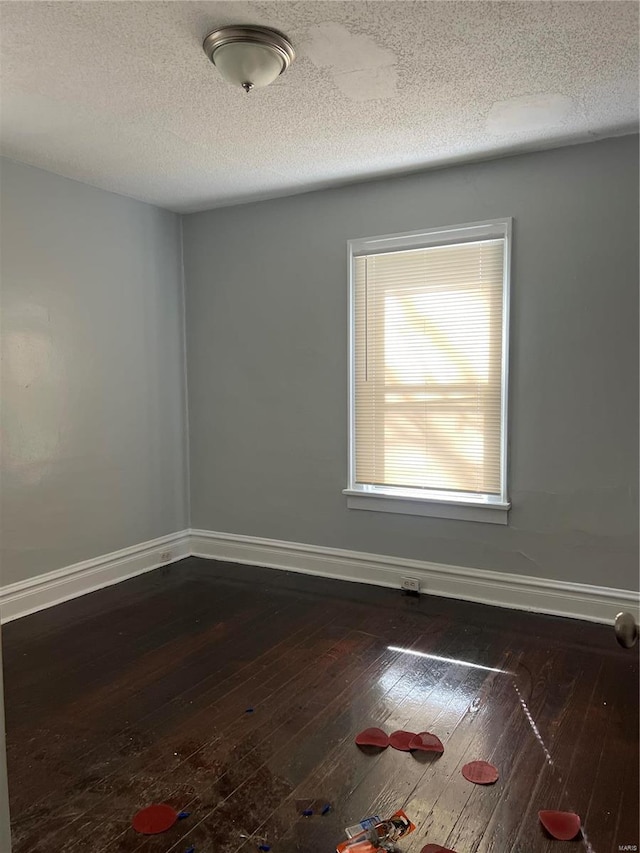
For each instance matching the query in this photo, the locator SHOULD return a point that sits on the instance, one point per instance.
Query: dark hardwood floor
(140, 692)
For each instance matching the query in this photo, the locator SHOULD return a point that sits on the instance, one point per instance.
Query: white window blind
(428, 370)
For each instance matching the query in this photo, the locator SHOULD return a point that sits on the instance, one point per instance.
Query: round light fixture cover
(250, 57)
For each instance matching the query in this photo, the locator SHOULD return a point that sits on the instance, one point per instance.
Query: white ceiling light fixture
(250, 57)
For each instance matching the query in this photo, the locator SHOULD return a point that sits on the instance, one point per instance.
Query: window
(429, 341)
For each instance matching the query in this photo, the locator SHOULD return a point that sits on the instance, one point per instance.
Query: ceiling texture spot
(121, 95)
(530, 113)
(360, 68)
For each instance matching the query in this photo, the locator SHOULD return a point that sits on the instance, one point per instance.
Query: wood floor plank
(545, 691)
(468, 808)
(584, 789)
(197, 705)
(380, 705)
(440, 711)
(280, 763)
(95, 610)
(101, 658)
(373, 780)
(627, 826)
(152, 680)
(547, 792)
(182, 763)
(140, 692)
(123, 625)
(248, 780)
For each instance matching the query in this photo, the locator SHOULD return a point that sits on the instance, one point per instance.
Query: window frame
(439, 504)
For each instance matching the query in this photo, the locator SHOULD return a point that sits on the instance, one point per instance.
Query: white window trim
(483, 508)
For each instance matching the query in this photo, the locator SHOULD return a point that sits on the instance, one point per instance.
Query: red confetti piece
(154, 819)
(426, 742)
(373, 737)
(561, 825)
(436, 848)
(480, 772)
(401, 740)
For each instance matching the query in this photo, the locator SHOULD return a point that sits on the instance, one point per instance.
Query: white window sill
(488, 510)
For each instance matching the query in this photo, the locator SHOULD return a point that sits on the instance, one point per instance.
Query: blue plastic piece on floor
(307, 812)
(326, 809)
(182, 815)
(190, 850)
(264, 847)
(249, 711)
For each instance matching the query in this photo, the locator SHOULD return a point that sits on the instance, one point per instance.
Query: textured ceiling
(121, 95)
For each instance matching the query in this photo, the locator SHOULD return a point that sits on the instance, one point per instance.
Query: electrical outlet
(410, 584)
(165, 556)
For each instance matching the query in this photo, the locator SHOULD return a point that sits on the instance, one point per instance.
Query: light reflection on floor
(437, 697)
(448, 660)
(536, 731)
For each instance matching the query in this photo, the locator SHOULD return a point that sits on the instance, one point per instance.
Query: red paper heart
(480, 772)
(401, 740)
(426, 742)
(154, 819)
(561, 825)
(436, 848)
(373, 737)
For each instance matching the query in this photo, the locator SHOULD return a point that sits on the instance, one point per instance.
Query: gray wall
(267, 363)
(92, 388)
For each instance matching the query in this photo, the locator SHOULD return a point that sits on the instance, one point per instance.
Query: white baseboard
(558, 598)
(24, 597)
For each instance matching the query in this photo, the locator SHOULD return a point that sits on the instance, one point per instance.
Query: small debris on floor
(400, 740)
(373, 737)
(426, 742)
(436, 848)
(154, 819)
(260, 841)
(564, 826)
(309, 807)
(480, 773)
(372, 834)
